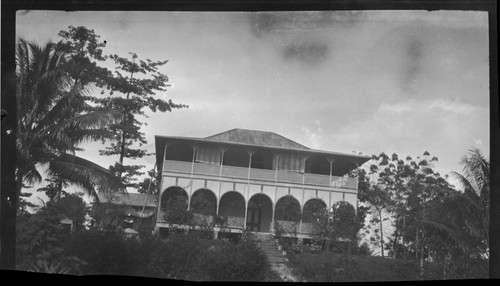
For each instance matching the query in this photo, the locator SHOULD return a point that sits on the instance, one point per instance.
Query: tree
(52, 120)
(130, 89)
(380, 195)
(41, 237)
(474, 202)
(151, 184)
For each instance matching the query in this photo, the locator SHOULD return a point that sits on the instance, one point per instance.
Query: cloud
(313, 136)
(311, 53)
(447, 129)
(263, 23)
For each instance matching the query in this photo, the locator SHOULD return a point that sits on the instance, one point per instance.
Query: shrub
(103, 252)
(178, 256)
(328, 267)
(241, 262)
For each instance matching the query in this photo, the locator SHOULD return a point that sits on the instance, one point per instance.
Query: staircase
(278, 261)
(269, 246)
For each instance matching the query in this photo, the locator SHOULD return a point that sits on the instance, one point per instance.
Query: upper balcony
(274, 176)
(304, 167)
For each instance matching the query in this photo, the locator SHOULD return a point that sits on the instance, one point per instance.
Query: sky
(400, 82)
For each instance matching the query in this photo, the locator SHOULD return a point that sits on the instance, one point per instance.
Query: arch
(232, 203)
(171, 193)
(204, 202)
(262, 159)
(344, 219)
(288, 209)
(313, 210)
(236, 156)
(317, 165)
(174, 204)
(179, 152)
(259, 213)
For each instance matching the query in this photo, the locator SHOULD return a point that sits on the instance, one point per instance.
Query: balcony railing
(261, 174)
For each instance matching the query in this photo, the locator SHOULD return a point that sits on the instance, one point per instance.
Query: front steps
(270, 248)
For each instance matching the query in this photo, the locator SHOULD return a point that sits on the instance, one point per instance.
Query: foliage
(176, 210)
(105, 252)
(470, 209)
(431, 220)
(241, 262)
(337, 229)
(44, 267)
(327, 267)
(150, 184)
(53, 119)
(41, 238)
(129, 88)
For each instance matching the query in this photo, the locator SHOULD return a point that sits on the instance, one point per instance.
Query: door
(253, 219)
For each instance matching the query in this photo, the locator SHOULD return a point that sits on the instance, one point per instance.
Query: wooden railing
(261, 174)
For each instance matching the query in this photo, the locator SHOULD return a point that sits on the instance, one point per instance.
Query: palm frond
(85, 174)
(79, 128)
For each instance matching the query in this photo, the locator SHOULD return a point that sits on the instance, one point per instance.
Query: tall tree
(470, 209)
(52, 121)
(130, 87)
(131, 93)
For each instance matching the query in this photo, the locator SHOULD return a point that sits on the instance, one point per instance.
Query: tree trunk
(122, 144)
(396, 238)
(403, 237)
(381, 234)
(422, 258)
(416, 244)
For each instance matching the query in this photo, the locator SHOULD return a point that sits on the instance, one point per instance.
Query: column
(191, 185)
(330, 184)
(246, 213)
(277, 167)
(248, 189)
(220, 171)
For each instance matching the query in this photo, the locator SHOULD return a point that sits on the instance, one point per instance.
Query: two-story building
(257, 181)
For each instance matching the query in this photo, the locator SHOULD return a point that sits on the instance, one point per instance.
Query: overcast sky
(364, 81)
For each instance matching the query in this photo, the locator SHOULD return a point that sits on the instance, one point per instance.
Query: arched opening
(287, 215)
(317, 165)
(232, 209)
(259, 213)
(314, 210)
(203, 207)
(237, 157)
(288, 209)
(345, 224)
(204, 202)
(262, 159)
(343, 219)
(174, 203)
(179, 152)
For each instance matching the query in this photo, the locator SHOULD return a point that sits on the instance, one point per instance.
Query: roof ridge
(235, 132)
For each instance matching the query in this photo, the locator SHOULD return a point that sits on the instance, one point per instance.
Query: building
(250, 180)
(128, 211)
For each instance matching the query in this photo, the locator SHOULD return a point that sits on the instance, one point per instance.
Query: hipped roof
(255, 139)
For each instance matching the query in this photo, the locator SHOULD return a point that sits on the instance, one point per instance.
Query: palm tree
(471, 208)
(54, 119)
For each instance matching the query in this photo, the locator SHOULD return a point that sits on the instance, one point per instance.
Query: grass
(329, 267)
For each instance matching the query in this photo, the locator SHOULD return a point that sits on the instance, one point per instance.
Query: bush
(177, 257)
(328, 267)
(104, 252)
(241, 262)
